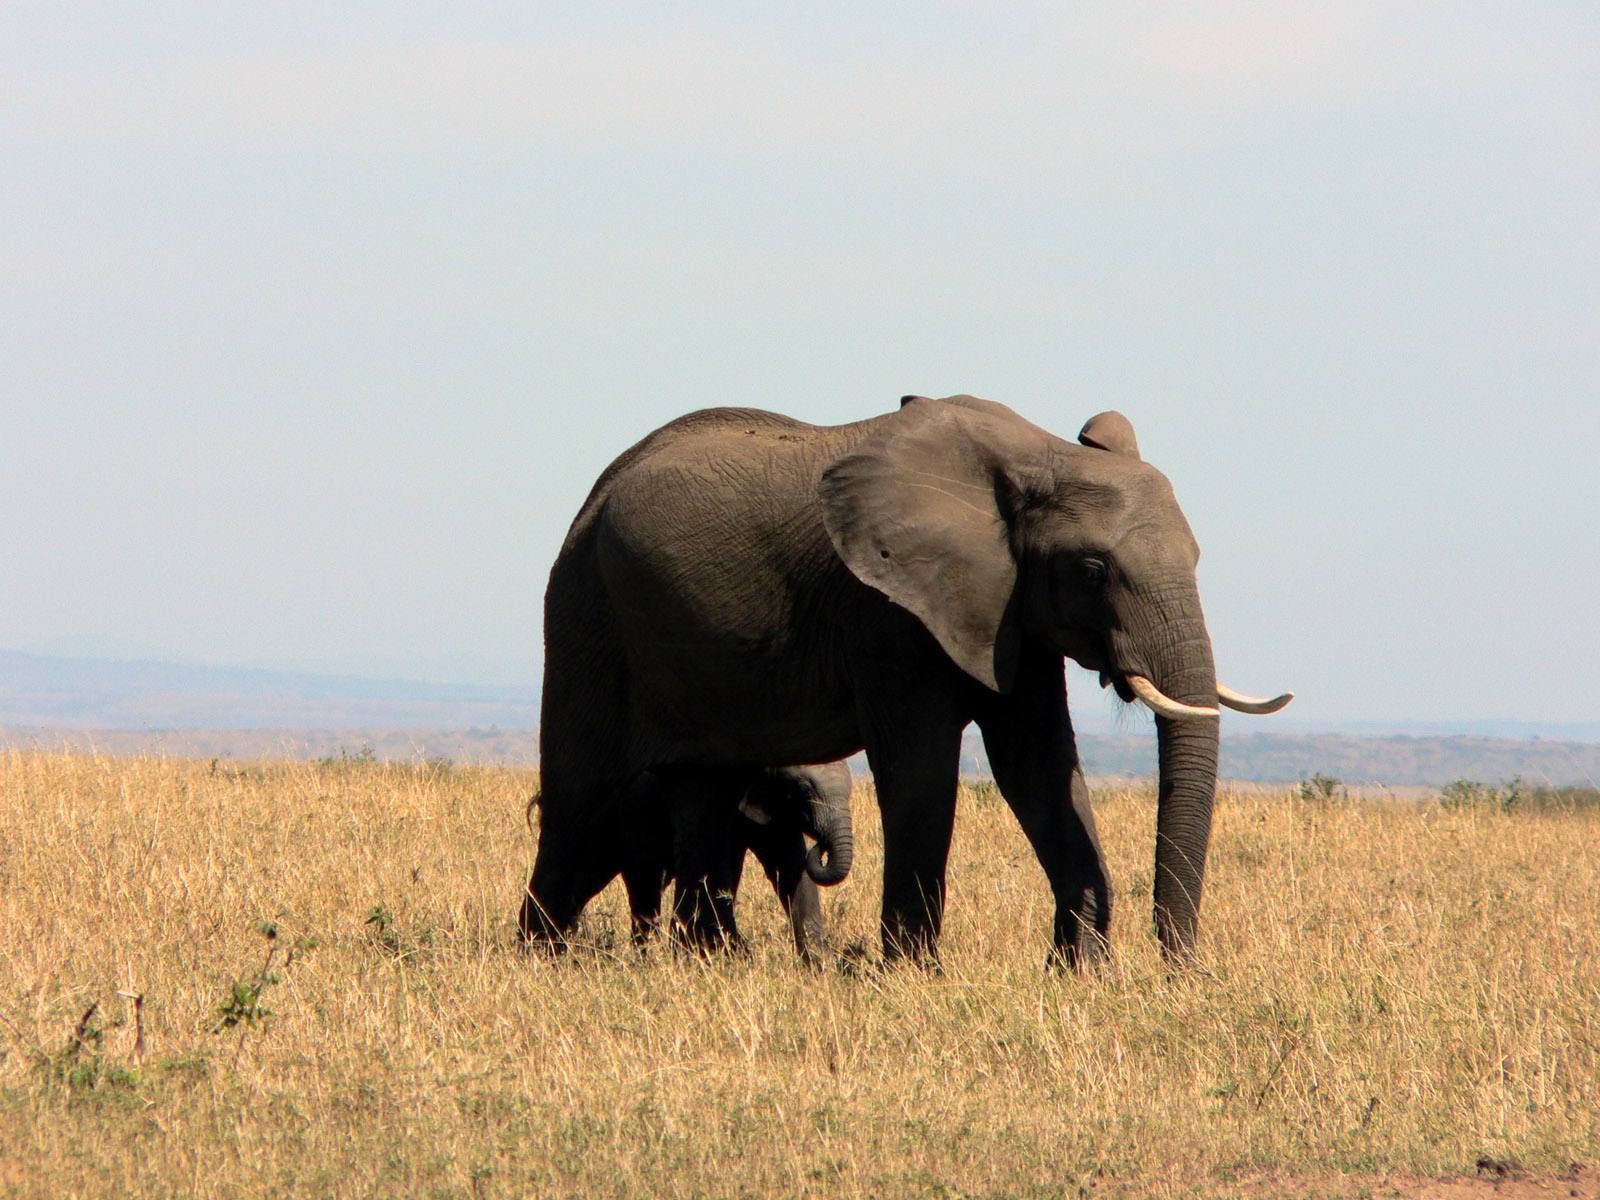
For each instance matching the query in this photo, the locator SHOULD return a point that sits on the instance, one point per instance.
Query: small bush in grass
(1469, 793)
(1518, 795)
(1322, 789)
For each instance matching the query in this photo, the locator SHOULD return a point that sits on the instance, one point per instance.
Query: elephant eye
(1094, 571)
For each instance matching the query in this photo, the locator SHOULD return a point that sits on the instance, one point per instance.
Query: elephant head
(819, 798)
(994, 533)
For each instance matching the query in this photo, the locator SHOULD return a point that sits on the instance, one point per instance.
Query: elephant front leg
(1083, 896)
(780, 848)
(916, 783)
(916, 848)
(805, 920)
(784, 860)
(706, 860)
(912, 703)
(1034, 756)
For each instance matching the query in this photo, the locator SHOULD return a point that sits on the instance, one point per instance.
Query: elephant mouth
(1118, 684)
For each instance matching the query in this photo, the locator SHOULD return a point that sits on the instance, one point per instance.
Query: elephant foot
(707, 942)
(1081, 928)
(813, 950)
(643, 930)
(702, 918)
(539, 929)
(917, 948)
(810, 940)
(856, 961)
(704, 926)
(540, 944)
(1087, 952)
(814, 954)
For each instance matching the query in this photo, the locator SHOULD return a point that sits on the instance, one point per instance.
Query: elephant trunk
(1187, 751)
(828, 862)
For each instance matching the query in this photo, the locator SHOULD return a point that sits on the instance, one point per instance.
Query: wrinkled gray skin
(743, 589)
(779, 807)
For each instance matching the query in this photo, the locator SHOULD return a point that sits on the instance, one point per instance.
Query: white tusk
(1165, 706)
(1239, 702)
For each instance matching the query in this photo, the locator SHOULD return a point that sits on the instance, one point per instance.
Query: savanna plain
(287, 979)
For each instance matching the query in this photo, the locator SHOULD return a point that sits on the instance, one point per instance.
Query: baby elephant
(778, 806)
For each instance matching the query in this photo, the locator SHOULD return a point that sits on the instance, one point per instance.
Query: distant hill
(487, 746)
(1395, 760)
(39, 690)
(56, 702)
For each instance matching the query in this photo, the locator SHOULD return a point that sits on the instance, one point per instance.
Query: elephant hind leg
(540, 923)
(583, 759)
(549, 907)
(575, 860)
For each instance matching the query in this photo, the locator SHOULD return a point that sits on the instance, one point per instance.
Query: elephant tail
(533, 803)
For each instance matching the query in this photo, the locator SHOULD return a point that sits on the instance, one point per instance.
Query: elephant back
(712, 421)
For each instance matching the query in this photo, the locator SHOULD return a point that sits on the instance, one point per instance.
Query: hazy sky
(316, 325)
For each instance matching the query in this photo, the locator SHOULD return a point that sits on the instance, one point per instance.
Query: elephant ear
(753, 810)
(914, 511)
(1110, 431)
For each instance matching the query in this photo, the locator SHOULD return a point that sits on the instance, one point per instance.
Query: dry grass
(1383, 986)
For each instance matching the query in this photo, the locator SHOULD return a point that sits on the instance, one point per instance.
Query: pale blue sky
(316, 327)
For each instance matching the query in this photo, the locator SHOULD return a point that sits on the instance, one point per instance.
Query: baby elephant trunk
(828, 862)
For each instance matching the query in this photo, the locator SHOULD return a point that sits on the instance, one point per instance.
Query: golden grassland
(1381, 986)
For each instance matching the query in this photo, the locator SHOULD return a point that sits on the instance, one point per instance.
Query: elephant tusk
(1239, 702)
(1166, 706)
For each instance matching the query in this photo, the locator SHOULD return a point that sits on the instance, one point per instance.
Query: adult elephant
(741, 589)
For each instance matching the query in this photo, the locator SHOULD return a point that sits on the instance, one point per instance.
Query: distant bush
(364, 757)
(1469, 793)
(1569, 797)
(1322, 788)
(1518, 795)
